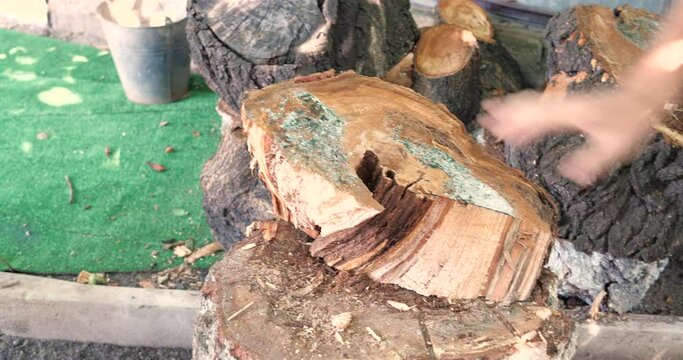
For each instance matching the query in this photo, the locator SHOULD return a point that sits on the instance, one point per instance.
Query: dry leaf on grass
(156, 167)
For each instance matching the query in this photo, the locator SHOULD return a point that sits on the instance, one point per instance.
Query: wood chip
(181, 251)
(248, 246)
(595, 306)
(543, 313)
(163, 123)
(204, 251)
(315, 282)
(338, 337)
(341, 321)
(107, 151)
(528, 336)
(156, 167)
(169, 149)
(373, 334)
(398, 305)
(243, 309)
(42, 136)
(147, 284)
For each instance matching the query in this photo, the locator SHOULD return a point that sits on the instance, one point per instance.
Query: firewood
(468, 15)
(247, 44)
(447, 69)
(248, 312)
(500, 73)
(389, 184)
(637, 211)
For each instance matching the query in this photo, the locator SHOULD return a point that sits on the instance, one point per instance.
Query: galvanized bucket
(153, 63)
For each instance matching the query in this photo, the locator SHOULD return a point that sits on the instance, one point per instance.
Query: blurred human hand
(615, 126)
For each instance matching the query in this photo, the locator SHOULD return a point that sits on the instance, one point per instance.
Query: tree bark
(637, 212)
(233, 195)
(267, 299)
(392, 186)
(447, 70)
(248, 44)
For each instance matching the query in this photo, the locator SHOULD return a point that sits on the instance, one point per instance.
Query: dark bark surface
(251, 44)
(459, 92)
(234, 197)
(500, 73)
(636, 212)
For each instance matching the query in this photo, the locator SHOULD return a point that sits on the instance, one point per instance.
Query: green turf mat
(122, 210)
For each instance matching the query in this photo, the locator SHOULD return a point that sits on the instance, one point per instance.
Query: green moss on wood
(311, 136)
(462, 186)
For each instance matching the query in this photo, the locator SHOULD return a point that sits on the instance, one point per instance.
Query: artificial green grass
(123, 210)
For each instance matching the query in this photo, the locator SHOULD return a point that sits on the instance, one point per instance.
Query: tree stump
(637, 212)
(268, 299)
(392, 186)
(247, 44)
(233, 195)
(447, 69)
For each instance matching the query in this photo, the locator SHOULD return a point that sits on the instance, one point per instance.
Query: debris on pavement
(85, 277)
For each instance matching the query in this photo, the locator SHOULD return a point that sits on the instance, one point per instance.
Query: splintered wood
(390, 185)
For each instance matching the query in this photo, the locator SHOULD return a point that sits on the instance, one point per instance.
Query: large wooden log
(391, 185)
(447, 69)
(246, 44)
(637, 212)
(267, 299)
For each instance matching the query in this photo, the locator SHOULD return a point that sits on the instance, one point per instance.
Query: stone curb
(43, 308)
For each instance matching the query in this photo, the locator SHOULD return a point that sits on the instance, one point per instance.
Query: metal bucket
(153, 63)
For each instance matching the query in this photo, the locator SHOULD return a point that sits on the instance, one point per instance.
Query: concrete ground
(16, 348)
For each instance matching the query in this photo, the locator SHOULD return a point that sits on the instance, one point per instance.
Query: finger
(586, 165)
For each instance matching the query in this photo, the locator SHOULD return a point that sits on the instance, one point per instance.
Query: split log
(637, 212)
(447, 69)
(392, 186)
(267, 299)
(233, 195)
(247, 44)
(500, 73)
